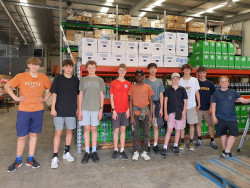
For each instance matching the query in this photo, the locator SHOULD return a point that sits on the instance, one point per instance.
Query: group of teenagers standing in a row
(145, 103)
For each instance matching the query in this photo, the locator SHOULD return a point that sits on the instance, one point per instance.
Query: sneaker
(33, 163)
(86, 157)
(156, 149)
(14, 166)
(148, 149)
(198, 143)
(123, 156)
(95, 157)
(191, 146)
(54, 162)
(225, 155)
(182, 146)
(68, 157)
(176, 150)
(163, 153)
(145, 156)
(135, 156)
(115, 155)
(213, 145)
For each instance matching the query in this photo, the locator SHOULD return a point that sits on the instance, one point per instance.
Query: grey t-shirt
(91, 87)
(157, 87)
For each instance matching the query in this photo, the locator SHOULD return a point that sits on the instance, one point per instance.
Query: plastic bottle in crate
(104, 136)
(107, 92)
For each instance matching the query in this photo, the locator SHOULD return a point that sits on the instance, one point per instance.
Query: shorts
(89, 118)
(121, 121)
(177, 124)
(206, 115)
(70, 123)
(154, 120)
(192, 117)
(29, 122)
(222, 126)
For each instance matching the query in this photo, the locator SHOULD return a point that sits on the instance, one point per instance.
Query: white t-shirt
(191, 86)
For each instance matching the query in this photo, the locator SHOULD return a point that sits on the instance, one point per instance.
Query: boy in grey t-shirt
(90, 108)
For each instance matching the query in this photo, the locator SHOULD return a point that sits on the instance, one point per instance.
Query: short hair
(34, 61)
(187, 66)
(91, 62)
(67, 62)
(122, 66)
(152, 65)
(202, 69)
(223, 77)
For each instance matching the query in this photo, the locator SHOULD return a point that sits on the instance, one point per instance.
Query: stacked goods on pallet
(87, 49)
(82, 17)
(144, 22)
(232, 32)
(104, 34)
(242, 115)
(157, 24)
(104, 19)
(175, 48)
(175, 23)
(124, 20)
(196, 27)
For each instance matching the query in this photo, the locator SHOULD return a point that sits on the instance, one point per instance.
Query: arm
(166, 108)
(243, 101)
(161, 102)
(128, 111)
(114, 114)
(12, 94)
(198, 100)
(210, 108)
(151, 110)
(215, 120)
(80, 98)
(44, 99)
(131, 109)
(101, 107)
(53, 104)
(184, 109)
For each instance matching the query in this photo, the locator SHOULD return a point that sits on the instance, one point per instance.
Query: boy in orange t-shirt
(30, 111)
(140, 107)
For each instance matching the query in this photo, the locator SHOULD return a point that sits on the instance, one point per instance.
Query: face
(175, 80)
(33, 68)
(91, 69)
(152, 71)
(224, 83)
(187, 71)
(139, 77)
(67, 69)
(202, 74)
(122, 72)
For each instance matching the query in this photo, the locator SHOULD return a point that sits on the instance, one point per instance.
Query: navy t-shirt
(206, 91)
(225, 104)
(175, 99)
(67, 91)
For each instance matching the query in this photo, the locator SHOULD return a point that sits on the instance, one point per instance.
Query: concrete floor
(174, 171)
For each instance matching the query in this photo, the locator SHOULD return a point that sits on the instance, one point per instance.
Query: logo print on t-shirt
(230, 98)
(126, 86)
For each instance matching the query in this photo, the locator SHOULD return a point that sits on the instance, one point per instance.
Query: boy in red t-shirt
(30, 111)
(119, 89)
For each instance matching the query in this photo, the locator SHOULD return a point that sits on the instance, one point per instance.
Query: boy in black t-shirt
(64, 108)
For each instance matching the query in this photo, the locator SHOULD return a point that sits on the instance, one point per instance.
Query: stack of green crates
(242, 115)
(205, 128)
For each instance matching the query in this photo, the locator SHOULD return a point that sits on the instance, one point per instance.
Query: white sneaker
(54, 162)
(135, 156)
(69, 157)
(145, 156)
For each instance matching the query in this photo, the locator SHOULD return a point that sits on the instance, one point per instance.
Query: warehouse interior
(54, 30)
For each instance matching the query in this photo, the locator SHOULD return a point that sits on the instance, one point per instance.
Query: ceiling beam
(137, 6)
(236, 19)
(237, 4)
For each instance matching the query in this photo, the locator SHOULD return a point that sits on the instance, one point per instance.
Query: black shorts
(222, 126)
(121, 121)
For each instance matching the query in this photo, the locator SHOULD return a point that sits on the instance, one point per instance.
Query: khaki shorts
(154, 121)
(192, 117)
(206, 115)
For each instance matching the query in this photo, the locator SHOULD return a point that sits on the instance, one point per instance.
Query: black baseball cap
(139, 71)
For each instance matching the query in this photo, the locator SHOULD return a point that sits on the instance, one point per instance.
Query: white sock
(122, 149)
(116, 149)
(175, 145)
(148, 144)
(155, 143)
(227, 151)
(165, 147)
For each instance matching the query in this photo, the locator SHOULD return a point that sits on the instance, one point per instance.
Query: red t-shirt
(120, 91)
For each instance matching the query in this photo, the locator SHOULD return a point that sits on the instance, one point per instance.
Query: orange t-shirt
(141, 95)
(32, 89)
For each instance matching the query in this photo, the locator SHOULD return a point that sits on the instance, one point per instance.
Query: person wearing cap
(141, 109)
(175, 104)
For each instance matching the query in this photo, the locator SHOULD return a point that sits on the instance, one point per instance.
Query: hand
(127, 114)
(42, 100)
(132, 121)
(210, 110)
(99, 115)
(114, 115)
(215, 120)
(20, 99)
(53, 112)
(166, 117)
(150, 120)
(77, 113)
(161, 112)
(183, 115)
(80, 116)
(198, 108)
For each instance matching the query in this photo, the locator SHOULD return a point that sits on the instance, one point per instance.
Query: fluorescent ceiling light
(189, 19)
(110, 1)
(158, 3)
(104, 10)
(213, 8)
(23, 1)
(142, 14)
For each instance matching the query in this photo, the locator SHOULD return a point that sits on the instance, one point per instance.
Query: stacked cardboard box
(124, 20)
(104, 19)
(87, 49)
(196, 27)
(144, 22)
(104, 34)
(175, 22)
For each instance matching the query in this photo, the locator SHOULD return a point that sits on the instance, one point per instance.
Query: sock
(66, 149)
(93, 149)
(121, 150)
(155, 143)
(182, 140)
(191, 140)
(227, 151)
(165, 147)
(175, 145)
(19, 158)
(212, 139)
(116, 149)
(199, 138)
(87, 149)
(30, 158)
(55, 155)
(148, 144)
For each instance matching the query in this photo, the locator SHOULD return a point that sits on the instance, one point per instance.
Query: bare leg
(86, 135)
(57, 139)
(230, 143)
(177, 136)
(123, 136)
(211, 130)
(32, 143)
(168, 135)
(115, 137)
(69, 134)
(94, 135)
(156, 133)
(20, 145)
(198, 129)
(191, 131)
(223, 141)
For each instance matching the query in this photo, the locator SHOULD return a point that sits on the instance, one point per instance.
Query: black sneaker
(115, 155)
(33, 163)
(148, 149)
(86, 157)
(14, 166)
(164, 153)
(156, 149)
(123, 156)
(213, 145)
(198, 143)
(230, 154)
(95, 157)
(224, 154)
(176, 150)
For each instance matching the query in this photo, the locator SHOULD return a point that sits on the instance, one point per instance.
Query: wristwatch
(101, 107)
(113, 109)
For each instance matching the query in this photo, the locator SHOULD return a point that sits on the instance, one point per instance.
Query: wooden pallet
(229, 172)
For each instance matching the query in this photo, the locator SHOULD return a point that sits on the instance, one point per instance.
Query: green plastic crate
(218, 48)
(218, 61)
(230, 48)
(202, 60)
(248, 62)
(231, 62)
(242, 123)
(212, 49)
(212, 61)
(243, 110)
(224, 50)
(243, 64)
(237, 62)
(201, 47)
(225, 62)
(238, 110)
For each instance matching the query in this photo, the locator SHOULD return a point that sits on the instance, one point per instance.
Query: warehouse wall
(246, 39)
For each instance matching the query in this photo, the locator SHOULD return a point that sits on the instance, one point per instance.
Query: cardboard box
(170, 25)
(88, 56)
(212, 61)
(144, 19)
(79, 18)
(169, 49)
(157, 48)
(145, 24)
(230, 48)
(180, 19)
(237, 62)
(182, 50)
(104, 59)
(158, 60)
(224, 50)
(201, 30)
(182, 39)
(135, 21)
(165, 37)
(127, 17)
(218, 61)
(104, 46)
(201, 47)
(218, 48)
(132, 60)
(70, 32)
(88, 45)
(248, 62)
(243, 64)
(225, 61)
(170, 61)
(144, 60)
(181, 61)
(196, 24)
(77, 38)
(231, 62)
(131, 47)
(118, 47)
(70, 37)
(180, 26)
(145, 48)
(117, 59)
(212, 48)
(170, 18)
